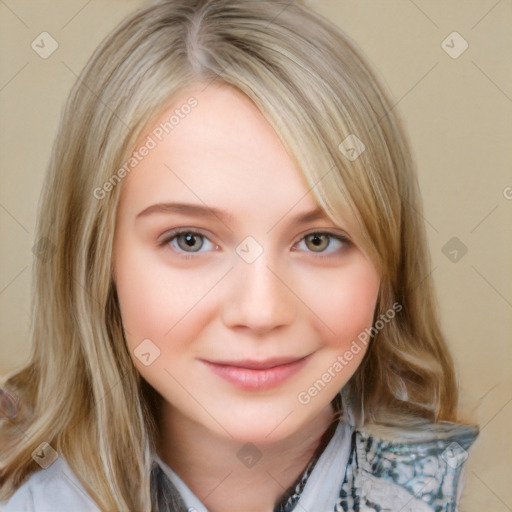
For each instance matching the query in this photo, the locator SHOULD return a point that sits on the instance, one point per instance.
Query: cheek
(157, 302)
(345, 306)
(155, 306)
(146, 305)
(141, 299)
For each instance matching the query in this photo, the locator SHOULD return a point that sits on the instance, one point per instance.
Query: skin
(296, 299)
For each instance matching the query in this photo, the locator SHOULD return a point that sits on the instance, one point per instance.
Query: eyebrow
(196, 210)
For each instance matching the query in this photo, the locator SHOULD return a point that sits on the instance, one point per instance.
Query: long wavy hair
(80, 390)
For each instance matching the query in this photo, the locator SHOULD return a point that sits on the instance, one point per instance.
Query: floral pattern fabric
(420, 475)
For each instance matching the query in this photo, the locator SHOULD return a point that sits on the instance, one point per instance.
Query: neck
(208, 464)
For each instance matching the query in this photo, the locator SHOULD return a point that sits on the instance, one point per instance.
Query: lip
(256, 375)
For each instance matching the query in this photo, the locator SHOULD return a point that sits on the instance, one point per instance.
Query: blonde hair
(80, 390)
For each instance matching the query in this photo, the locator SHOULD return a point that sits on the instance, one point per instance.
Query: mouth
(256, 375)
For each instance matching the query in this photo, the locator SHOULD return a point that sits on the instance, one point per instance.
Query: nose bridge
(259, 279)
(259, 299)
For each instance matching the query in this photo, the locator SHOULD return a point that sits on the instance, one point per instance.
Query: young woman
(234, 311)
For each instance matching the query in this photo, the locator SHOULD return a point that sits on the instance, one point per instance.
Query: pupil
(189, 241)
(317, 241)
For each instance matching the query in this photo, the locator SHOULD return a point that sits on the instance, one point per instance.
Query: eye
(321, 242)
(188, 241)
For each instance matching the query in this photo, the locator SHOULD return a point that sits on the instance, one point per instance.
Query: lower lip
(256, 380)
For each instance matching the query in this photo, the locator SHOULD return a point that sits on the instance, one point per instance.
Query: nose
(259, 297)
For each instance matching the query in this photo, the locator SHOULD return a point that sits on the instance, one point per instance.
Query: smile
(253, 375)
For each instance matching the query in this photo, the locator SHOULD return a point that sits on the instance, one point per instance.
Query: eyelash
(181, 231)
(183, 254)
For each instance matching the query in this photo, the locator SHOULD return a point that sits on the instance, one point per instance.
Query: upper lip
(254, 364)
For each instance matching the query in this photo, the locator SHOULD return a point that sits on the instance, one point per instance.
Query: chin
(262, 425)
(261, 433)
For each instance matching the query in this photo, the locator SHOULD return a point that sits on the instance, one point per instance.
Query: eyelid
(168, 236)
(164, 241)
(171, 233)
(332, 232)
(341, 238)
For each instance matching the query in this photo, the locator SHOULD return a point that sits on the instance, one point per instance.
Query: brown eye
(190, 242)
(317, 242)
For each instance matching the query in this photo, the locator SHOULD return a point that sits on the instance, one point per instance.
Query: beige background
(458, 114)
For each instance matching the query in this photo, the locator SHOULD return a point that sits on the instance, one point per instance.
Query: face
(240, 299)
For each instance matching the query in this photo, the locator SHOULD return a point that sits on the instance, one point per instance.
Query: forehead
(222, 153)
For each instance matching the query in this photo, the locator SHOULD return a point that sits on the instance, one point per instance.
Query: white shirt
(435, 459)
(56, 488)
